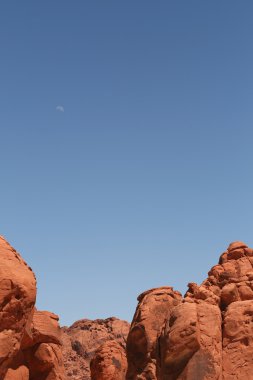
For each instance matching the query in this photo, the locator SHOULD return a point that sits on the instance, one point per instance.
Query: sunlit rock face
(153, 310)
(205, 335)
(109, 362)
(30, 341)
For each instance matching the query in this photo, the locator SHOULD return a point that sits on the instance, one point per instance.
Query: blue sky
(146, 176)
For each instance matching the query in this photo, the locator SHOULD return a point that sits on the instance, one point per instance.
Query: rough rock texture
(44, 328)
(30, 344)
(191, 344)
(84, 337)
(152, 312)
(41, 347)
(17, 298)
(109, 362)
(238, 341)
(45, 362)
(207, 335)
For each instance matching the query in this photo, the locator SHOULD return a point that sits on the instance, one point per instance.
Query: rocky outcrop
(191, 343)
(84, 338)
(41, 347)
(207, 335)
(238, 341)
(30, 343)
(109, 362)
(152, 312)
(17, 299)
(31, 340)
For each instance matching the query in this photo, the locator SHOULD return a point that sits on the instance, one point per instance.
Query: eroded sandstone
(153, 310)
(30, 342)
(205, 335)
(83, 339)
(109, 362)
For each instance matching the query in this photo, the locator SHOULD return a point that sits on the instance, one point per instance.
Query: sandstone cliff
(205, 335)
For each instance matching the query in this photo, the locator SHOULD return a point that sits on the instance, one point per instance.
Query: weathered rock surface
(191, 346)
(45, 362)
(41, 347)
(17, 298)
(109, 362)
(84, 337)
(207, 335)
(152, 312)
(30, 343)
(238, 341)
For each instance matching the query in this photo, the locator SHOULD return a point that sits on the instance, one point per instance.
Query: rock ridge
(207, 334)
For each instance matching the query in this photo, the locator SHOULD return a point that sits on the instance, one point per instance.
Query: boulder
(109, 362)
(30, 343)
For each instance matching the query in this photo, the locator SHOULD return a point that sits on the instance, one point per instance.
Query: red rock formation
(41, 348)
(152, 312)
(191, 344)
(207, 335)
(17, 298)
(199, 355)
(21, 373)
(45, 362)
(238, 341)
(109, 362)
(30, 345)
(84, 337)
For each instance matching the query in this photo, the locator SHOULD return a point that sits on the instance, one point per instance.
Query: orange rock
(152, 312)
(45, 362)
(191, 345)
(29, 339)
(42, 347)
(17, 298)
(238, 341)
(109, 362)
(207, 335)
(236, 245)
(84, 337)
(21, 373)
(43, 328)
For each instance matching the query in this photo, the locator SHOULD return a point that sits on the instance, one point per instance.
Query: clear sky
(126, 144)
